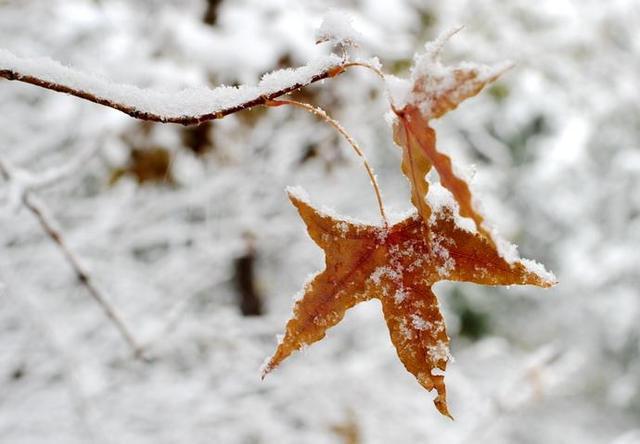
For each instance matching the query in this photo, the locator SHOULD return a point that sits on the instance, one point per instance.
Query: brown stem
(369, 66)
(85, 279)
(335, 124)
(183, 120)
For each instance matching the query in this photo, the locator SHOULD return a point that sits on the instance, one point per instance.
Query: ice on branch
(337, 28)
(435, 88)
(198, 103)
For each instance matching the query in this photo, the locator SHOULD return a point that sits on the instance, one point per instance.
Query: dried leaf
(418, 142)
(397, 265)
(435, 90)
(415, 166)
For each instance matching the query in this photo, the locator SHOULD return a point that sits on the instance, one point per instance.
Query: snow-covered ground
(556, 149)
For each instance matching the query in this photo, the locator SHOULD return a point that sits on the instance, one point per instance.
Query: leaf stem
(338, 127)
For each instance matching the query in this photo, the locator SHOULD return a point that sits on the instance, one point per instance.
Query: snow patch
(187, 102)
(506, 250)
(441, 251)
(429, 80)
(419, 323)
(382, 272)
(441, 201)
(399, 296)
(299, 193)
(399, 93)
(343, 227)
(406, 331)
(337, 28)
(538, 269)
(439, 352)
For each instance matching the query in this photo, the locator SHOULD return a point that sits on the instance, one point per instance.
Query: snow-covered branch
(23, 182)
(187, 107)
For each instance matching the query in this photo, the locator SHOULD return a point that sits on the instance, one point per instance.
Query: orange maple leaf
(433, 90)
(397, 265)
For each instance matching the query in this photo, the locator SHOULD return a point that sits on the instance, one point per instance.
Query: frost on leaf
(400, 263)
(431, 91)
(361, 265)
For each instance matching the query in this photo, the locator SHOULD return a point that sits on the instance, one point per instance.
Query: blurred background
(190, 234)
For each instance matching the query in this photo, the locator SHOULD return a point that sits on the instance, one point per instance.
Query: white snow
(399, 296)
(579, 215)
(441, 201)
(343, 227)
(337, 28)
(430, 79)
(382, 272)
(299, 193)
(407, 333)
(419, 323)
(539, 269)
(506, 250)
(187, 102)
(399, 91)
(439, 352)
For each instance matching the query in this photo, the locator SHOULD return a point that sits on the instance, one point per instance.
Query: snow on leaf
(361, 265)
(436, 89)
(336, 27)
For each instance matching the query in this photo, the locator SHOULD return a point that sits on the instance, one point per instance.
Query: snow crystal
(299, 193)
(337, 28)
(506, 250)
(307, 282)
(419, 323)
(509, 252)
(372, 61)
(446, 268)
(343, 222)
(439, 352)
(437, 372)
(382, 272)
(441, 200)
(429, 79)
(381, 234)
(438, 326)
(538, 269)
(399, 296)
(343, 227)
(448, 263)
(415, 265)
(265, 367)
(406, 331)
(188, 102)
(399, 93)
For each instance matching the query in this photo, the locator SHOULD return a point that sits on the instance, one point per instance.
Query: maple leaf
(432, 90)
(397, 265)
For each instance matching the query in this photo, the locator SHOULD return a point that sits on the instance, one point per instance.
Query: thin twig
(183, 120)
(369, 66)
(38, 209)
(335, 124)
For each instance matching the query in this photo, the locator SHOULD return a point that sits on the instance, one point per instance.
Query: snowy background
(190, 234)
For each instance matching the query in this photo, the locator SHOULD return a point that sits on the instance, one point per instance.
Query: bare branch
(39, 210)
(188, 107)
